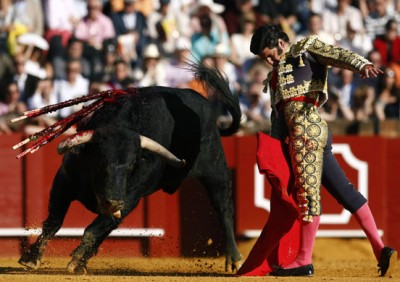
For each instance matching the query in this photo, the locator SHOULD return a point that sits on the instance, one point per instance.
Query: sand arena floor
(334, 260)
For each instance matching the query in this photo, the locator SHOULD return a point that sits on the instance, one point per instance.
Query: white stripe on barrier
(77, 232)
(321, 233)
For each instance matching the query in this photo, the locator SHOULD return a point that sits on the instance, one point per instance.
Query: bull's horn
(117, 214)
(74, 140)
(151, 145)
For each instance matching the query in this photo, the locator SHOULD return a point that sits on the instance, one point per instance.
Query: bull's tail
(213, 78)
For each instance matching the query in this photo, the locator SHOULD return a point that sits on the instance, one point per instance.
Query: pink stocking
(365, 219)
(308, 232)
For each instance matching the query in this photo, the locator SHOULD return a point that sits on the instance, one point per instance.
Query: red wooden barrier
(185, 220)
(371, 164)
(11, 193)
(392, 187)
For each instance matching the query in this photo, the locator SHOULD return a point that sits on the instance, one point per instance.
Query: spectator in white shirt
(73, 87)
(335, 22)
(61, 17)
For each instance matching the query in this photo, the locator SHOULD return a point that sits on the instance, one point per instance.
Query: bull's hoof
(76, 266)
(233, 267)
(27, 261)
(236, 265)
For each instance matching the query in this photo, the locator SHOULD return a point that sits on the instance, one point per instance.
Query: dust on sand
(334, 260)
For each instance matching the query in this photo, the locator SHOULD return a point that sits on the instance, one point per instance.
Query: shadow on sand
(109, 272)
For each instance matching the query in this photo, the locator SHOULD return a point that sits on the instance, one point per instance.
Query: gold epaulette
(302, 45)
(330, 55)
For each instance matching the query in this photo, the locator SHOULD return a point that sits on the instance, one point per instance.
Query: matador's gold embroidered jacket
(304, 69)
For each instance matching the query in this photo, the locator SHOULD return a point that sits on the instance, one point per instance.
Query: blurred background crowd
(55, 50)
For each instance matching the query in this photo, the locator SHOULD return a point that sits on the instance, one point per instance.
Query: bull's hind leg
(94, 235)
(58, 206)
(217, 182)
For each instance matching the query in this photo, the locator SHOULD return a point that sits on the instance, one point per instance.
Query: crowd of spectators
(55, 50)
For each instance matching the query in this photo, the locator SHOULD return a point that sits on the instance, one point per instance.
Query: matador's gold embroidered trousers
(308, 135)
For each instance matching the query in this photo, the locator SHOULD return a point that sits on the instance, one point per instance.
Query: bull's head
(116, 155)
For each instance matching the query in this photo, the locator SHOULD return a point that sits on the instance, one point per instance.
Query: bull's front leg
(59, 203)
(93, 236)
(32, 257)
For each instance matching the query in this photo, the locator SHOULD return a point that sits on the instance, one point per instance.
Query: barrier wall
(365, 163)
(11, 192)
(184, 223)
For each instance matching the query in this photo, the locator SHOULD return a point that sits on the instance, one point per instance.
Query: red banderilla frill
(49, 133)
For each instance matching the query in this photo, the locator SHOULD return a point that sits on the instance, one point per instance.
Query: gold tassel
(301, 63)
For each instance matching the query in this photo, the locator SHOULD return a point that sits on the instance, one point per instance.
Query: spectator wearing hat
(214, 11)
(36, 65)
(222, 63)
(212, 31)
(177, 70)
(152, 72)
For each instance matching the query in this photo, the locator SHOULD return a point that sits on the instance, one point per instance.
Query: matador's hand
(370, 71)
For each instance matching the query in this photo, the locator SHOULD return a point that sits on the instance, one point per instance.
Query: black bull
(128, 149)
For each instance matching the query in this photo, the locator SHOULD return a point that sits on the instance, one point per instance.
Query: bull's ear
(74, 140)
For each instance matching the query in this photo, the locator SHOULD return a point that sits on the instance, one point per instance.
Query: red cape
(279, 241)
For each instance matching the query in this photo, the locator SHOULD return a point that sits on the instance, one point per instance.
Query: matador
(298, 87)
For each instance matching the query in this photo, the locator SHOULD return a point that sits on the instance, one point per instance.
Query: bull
(151, 139)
